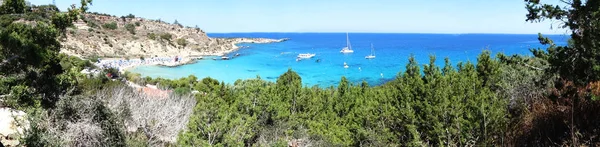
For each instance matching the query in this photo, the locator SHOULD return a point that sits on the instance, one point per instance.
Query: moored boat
(348, 48)
(306, 56)
(372, 55)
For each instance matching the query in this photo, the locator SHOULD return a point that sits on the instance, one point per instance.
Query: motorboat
(306, 56)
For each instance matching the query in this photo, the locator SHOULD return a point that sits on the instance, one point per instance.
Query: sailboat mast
(372, 49)
(348, 41)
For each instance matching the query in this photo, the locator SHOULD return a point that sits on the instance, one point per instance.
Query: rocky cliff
(96, 35)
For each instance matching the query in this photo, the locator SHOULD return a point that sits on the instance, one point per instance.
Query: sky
(376, 16)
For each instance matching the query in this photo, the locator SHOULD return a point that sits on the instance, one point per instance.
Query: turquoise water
(392, 50)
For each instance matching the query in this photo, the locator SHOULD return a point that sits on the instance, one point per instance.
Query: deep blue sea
(392, 50)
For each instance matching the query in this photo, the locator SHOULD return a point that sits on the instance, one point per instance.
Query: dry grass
(568, 118)
(161, 119)
(77, 121)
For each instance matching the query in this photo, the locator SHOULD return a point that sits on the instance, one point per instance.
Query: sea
(392, 50)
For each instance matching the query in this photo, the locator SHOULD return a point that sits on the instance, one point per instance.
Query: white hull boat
(372, 55)
(305, 56)
(348, 48)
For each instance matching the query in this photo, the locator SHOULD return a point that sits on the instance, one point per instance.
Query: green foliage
(182, 42)
(137, 23)
(129, 16)
(13, 7)
(92, 24)
(578, 61)
(165, 36)
(437, 107)
(62, 21)
(6, 20)
(110, 25)
(42, 13)
(32, 53)
(131, 28)
(152, 36)
(69, 62)
(94, 58)
(177, 23)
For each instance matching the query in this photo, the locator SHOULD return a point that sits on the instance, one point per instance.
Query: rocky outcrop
(12, 125)
(136, 37)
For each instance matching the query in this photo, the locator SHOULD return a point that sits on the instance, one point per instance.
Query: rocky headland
(105, 36)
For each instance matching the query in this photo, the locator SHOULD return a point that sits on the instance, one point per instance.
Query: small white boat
(346, 65)
(372, 55)
(236, 54)
(224, 58)
(348, 48)
(306, 56)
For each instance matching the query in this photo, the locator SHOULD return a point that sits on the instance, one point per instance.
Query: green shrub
(7, 19)
(152, 36)
(165, 36)
(182, 42)
(110, 25)
(90, 30)
(129, 16)
(137, 23)
(94, 58)
(130, 28)
(92, 24)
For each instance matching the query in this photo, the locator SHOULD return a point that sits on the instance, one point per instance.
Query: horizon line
(395, 33)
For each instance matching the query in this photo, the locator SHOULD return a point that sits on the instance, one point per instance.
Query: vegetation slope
(507, 100)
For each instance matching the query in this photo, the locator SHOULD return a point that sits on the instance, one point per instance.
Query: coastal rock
(12, 125)
(183, 61)
(91, 37)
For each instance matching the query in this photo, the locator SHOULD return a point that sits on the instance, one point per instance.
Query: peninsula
(97, 35)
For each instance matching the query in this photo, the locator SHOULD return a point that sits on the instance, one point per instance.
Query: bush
(152, 36)
(165, 36)
(94, 58)
(7, 19)
(67, 62)
(92, 24)
(129, 16)
(182, 42)
(130, 28)
(111, 25)
(137, 23)
(90, 30)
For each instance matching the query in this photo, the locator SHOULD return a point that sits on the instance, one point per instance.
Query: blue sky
(389, 16)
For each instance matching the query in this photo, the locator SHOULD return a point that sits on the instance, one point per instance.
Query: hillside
(129, 36)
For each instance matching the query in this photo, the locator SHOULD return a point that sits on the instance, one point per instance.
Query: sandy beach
(123, 64)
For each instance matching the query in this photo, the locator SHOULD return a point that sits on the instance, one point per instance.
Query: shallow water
(392, 50)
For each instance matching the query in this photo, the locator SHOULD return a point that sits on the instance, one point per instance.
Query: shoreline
(122, 64)
(236, 41)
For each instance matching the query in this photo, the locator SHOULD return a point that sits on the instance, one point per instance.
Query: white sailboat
(372, 55)
(348, 48)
